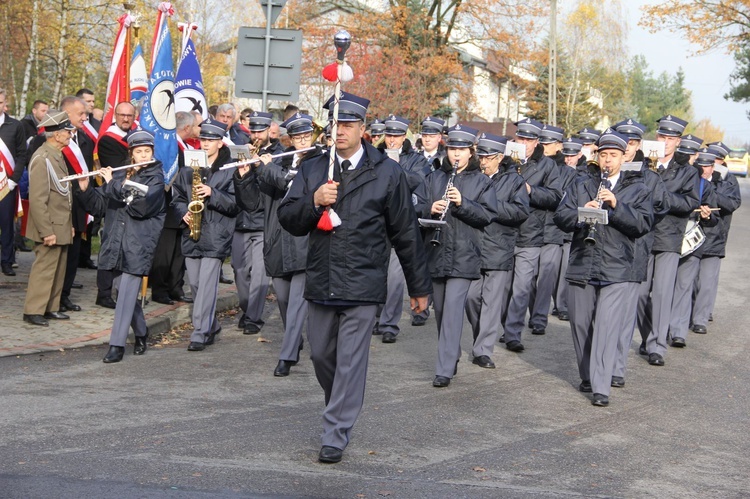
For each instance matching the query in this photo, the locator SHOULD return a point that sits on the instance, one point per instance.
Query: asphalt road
(217, 423)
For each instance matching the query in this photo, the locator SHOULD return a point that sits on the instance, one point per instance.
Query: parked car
(737, 162)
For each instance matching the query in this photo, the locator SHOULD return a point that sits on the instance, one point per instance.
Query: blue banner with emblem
(158, 113)
(189, 94)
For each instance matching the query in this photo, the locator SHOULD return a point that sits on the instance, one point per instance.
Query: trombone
(99, 172)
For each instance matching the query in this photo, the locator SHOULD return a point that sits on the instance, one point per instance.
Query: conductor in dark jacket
(347, 267)
(488, 296)
(599, 272)
(133, 223)
(542, 177)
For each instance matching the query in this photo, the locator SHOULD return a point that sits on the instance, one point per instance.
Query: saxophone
(196, 205)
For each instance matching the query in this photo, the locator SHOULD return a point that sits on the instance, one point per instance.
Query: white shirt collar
(355, 159)
(2, 118)
(613, 180)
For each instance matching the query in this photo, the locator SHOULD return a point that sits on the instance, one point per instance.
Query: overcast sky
(707, 76)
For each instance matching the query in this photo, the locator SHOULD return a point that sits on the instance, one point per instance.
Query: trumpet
(590, 238)
(439, 229)
(99, 172)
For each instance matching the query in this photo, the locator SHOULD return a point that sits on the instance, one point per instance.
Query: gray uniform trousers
(662, 291)
(597, 315)
(561, 293)
(390, 312)
(524, 269)
(128, 311)
(705, 298)
(203, 274)
(682, 301)
(541, 296)
(250, 274)
(449, 297)
(643, 312)
(293, 308)
(628, 330)
(485, 306)
(339, 338)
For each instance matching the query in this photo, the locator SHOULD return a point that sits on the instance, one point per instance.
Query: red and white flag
(118, 85)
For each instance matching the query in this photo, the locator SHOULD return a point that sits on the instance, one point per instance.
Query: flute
(99, 172)
(257, 160)
(710, 209)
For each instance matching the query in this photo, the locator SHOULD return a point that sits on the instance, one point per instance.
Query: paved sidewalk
(90, 326)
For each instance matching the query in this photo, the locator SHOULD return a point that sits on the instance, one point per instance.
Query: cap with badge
(528, 129)
(139, 137)
(572, 146)
(690, 144)
(259, 121)
(212, 130)
(612, 139)
(489, 144)
(298, 123)
(55, 121)
(720, 149)
(377, 128)
(432, 126)
(396, 125)
(631, 128)
(671, 126)
(705, 158)
(460, 136)
(589, 135)
(551, 134)
(351, 107)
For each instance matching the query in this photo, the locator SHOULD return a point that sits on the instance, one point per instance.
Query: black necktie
(75, 138)
(661, 168)
(606, 183)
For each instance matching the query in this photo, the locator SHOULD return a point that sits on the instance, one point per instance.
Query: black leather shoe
(194, 346)
(600, 400)
(642, 349)
(483, 361)
(23, 248)
(67, 305)
(441, 382)
(418, 320)
(585, 387)
(76, 285)
(710, 317)
(389, 337)
(8, 270)
(655, 359)
(538, 331)
(501, 339)
(282, 368)
(699, 328)
(211, 338)
(678, 343)
(515, 346)
(376, 329)
(563, 316)
(251, 328)
(554, 312)
(35, 319)
(164, 300)
(59, 316)
(140, 345)
(617, 382)
(88, 265)
(106, 302)
(224, 280)
(114, 355)
(330, 454)
(182, 298)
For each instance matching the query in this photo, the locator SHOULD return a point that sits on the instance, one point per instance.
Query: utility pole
(552, 90)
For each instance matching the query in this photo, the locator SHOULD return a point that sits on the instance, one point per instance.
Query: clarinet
(591, 236)
(438, 231)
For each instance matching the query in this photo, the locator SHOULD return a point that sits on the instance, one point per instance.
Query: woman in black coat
(466, 208)
(135, 212)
